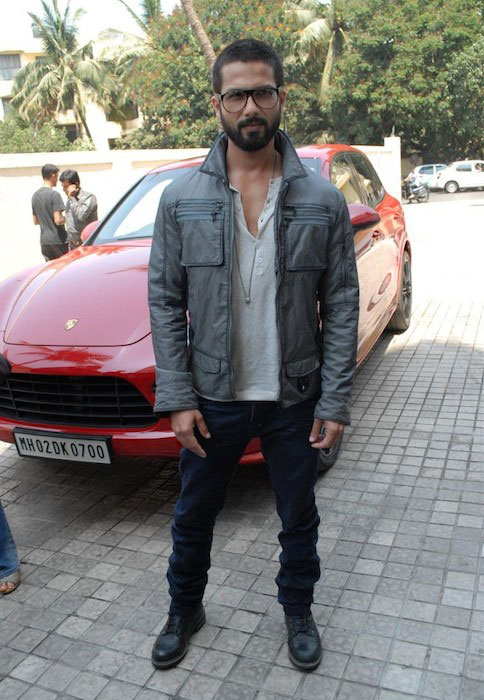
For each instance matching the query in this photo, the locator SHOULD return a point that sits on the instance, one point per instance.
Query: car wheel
(400, 320)
(451, 187)
(328, 457)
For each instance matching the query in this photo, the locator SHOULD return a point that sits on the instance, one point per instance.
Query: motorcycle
(414, 191)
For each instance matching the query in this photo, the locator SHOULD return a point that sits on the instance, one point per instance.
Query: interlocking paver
(400, 604)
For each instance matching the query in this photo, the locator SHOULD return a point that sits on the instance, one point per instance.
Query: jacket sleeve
(339, 308)
(84, 207)
(167, 297)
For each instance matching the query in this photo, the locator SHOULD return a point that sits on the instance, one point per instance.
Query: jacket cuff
(174, 392)
(333, 407)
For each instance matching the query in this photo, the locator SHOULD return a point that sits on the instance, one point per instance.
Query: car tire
(327, 458)
(451, 187)
(400, 320)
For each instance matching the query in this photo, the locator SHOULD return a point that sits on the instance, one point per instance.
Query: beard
(253, 140)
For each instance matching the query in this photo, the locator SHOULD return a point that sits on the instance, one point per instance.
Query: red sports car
(76, 359)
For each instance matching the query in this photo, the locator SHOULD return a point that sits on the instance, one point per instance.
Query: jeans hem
(8, 572)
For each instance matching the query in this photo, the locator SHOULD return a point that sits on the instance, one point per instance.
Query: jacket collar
(292, 168)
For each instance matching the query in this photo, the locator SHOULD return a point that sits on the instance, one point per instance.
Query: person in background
(47, 208)
(9, 563)
(81, 207)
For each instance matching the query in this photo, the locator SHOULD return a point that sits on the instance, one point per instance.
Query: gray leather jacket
(191, 269)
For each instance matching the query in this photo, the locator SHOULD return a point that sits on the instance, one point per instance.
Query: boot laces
(174, 625)
(301, 623)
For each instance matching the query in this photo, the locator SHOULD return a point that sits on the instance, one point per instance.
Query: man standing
(47, 208)
(81, 207)
(257, 248)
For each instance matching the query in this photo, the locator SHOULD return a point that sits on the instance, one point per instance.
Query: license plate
(69, 447)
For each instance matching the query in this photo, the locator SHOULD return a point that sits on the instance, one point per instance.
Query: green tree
(465, 90)
(173, 86)
(16, 137)
(65, 76)
(395, 77)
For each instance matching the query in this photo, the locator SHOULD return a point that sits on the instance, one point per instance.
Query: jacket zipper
(279, 231)
(229, 289)
(197, 211)
(307, 214)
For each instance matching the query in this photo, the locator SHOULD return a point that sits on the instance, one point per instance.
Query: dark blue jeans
(284, 435)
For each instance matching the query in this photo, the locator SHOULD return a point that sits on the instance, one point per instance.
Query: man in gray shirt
(47, 208)
(81, 207)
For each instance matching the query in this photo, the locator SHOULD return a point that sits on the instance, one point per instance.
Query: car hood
(93, 296)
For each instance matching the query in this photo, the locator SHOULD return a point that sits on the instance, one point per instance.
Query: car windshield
(134, 217)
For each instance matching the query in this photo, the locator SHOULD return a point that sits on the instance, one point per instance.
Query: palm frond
(139, 21)
(151, 10)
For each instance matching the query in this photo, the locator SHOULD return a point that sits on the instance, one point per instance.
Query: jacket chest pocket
(201, 228)
(306, 228)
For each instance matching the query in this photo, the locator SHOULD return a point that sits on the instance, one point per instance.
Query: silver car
(427, 173)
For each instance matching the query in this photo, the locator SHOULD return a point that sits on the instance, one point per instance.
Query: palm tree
(200, 33)
(150, 12)
(65, 76)
(323, 29)
(120, 49)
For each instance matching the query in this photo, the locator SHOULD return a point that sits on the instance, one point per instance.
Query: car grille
(98, 402)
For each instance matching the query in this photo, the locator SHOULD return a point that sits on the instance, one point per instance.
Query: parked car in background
(77, 370)
(461, 175)
(427, 173)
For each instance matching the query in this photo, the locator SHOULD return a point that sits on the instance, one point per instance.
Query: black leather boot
(172, 643)
(303, 641)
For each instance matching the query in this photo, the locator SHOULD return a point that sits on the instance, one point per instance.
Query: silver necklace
(256, 238)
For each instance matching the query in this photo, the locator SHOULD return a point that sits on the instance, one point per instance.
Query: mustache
(252, 121)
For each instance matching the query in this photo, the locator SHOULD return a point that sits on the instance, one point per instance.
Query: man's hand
(324, 433)
(72, 190)
(183, 423)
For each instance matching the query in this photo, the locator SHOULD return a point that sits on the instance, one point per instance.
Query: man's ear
(215, 100)
(282, 97)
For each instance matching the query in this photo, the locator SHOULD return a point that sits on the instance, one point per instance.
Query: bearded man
(259, 250)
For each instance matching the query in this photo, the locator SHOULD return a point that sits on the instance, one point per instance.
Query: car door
(464, 174)
(478, 173)
(426, 173)
(387, 236)
(367, 248)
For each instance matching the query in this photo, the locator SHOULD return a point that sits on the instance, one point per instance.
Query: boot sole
(305, 666)
(176, 660)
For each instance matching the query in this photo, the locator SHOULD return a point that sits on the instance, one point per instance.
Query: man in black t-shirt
(47, 208)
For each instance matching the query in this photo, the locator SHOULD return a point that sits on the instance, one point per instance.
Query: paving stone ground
(400, 604)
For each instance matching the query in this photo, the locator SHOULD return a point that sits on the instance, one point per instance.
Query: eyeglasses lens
(235, 100)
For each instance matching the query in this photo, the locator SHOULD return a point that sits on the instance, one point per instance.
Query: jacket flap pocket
(205, 362)
(300, 368)
(305, 245)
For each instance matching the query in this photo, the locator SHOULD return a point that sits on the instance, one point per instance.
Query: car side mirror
(362, 216)
(88, 230)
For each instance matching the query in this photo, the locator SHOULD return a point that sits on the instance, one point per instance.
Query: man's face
(253, 127)
(70, 188)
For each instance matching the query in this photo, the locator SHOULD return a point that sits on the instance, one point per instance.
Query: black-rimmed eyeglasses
(264, 97)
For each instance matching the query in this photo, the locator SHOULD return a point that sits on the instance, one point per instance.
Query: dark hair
(71, 176)
(246, 50)
(48, 170)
